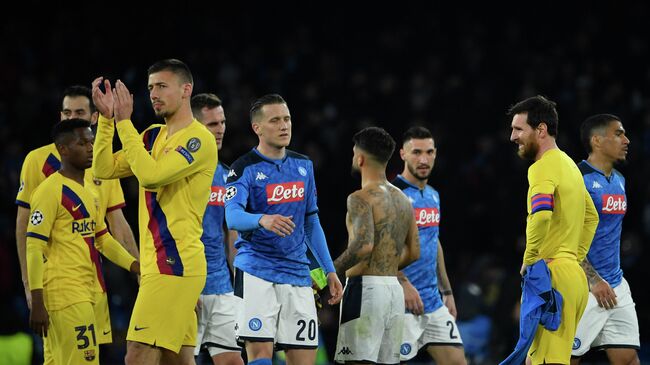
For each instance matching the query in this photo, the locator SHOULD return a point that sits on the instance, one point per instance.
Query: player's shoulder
(400, 183)
(49, 186)
(41, 152)
(238, 167)
(618, 174)
(297, 156)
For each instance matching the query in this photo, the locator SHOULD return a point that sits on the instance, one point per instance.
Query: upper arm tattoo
(361, 232)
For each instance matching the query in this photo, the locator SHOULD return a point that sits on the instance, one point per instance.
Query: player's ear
(402, 153)
(256, 128)
(542, 128)
(187, 90)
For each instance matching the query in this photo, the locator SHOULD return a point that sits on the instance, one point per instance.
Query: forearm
(240, 220)
(592, 274)
(121, 231)
(105, 164)
(317, 243)
(35, 267)
(114, 251)
(536, 231)
(22, 218)
(443, 280)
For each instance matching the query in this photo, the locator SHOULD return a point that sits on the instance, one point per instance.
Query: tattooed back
(382, 215)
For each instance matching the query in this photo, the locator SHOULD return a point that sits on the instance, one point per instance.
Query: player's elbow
(149, 182)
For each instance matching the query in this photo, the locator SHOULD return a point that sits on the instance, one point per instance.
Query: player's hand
(336, 288)
(605, 295)
(522, 271)
(278, 224)
(39, 320)
(450, 303)
(123, 102)
(103, 101)
(412, 298)
(199, 305)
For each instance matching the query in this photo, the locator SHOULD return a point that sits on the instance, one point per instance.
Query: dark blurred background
(454, 70)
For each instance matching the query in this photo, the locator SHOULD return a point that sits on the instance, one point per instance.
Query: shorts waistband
(372, 279)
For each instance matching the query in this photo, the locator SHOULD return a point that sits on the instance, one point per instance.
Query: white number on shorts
(451, 331)
(311, 331)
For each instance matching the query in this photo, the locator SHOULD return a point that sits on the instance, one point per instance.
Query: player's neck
(272, 152)
(601, 163)
(72, 173)
(544, 146)
(179, 120)
(406, 174)
(372, 176)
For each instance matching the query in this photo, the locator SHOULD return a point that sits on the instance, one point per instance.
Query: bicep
(361, 222)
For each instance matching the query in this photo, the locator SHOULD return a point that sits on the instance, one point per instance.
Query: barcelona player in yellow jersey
(64, 231)
(561, 222)
(174, 164)
(44, 161)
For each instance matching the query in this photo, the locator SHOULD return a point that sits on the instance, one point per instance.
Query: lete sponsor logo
(217, 196)
(285, 192)
(614, 204)
(427, 217)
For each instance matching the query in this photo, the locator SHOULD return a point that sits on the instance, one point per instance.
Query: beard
(529, 151)
(355, 172)
(416, 174)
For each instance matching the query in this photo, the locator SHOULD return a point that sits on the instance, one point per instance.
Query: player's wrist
(446, 292)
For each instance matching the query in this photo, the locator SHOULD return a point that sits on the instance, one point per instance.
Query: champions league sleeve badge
(193, 144)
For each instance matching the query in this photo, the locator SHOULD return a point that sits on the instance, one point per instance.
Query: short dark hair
(540, 110)
(204, 100)
(376, 141)
(63, 129)
(267, 99)
(80, 90)
(590, 126)
(175, 66)
(416, 132)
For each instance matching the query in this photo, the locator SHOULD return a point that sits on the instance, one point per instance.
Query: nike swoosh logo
(75, 208)
(139, 328)
(107, 332)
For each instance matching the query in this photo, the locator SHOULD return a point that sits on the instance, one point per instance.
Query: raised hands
(104, 101)
(116, 101)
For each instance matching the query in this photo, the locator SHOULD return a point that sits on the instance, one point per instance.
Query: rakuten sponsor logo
(427, 217)
(285, 192)
(217, 195)
(614, 204)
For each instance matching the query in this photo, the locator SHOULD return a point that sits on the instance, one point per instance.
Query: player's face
(615, 143)
(215, 120)
(77, 107)
(419, 155)
(524, 136)
(79, 150)
(166, 92)
(274, 125)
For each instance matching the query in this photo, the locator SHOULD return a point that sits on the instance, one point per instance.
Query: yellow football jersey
(562, 218)
(43, 162)
(63, 231)
(175, 174)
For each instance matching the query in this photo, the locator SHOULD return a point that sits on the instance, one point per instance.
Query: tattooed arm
(411, 250)
(600, 288)
(360, 231)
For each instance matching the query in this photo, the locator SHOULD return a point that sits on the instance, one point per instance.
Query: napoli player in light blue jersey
(430, 323)
(217, 303)
(609, 322)
(271, 202)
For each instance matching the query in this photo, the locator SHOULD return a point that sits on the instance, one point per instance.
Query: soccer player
(174, 164)
(383, 238)
(44, 161)
(609, 321)
(561, 221)
(218, 304)
(65, 230)
(429, 323)
(271, 201)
